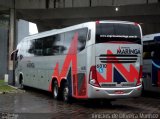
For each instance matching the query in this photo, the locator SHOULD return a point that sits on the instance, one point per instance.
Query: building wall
(6, 3)
(43, 4)
(150, 28)
(22, 29)
(3, 52)
(30, 4)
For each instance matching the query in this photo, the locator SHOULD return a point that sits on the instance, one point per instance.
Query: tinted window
(151, 50)
(69, 36)
(47, 46)
(38, 47)
(52, 44)
(55, 44)
(20, 50)
(67, 41)
(31, 47)
(24, 49)
(82, 37)
(107, 32)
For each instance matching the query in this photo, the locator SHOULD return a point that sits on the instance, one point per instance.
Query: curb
(13, 87)
(16, 90)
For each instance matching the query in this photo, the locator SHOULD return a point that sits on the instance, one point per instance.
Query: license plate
(119, 92)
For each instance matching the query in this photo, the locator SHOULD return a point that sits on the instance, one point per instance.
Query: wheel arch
(20, 78)
(53, 79)
(60, 83)
(63, 81)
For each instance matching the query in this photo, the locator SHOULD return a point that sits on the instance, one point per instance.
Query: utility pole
(12, 27)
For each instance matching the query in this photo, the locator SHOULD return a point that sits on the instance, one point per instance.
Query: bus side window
(21, 51)
(68, 37)
(14, 55)
(147, 55)
(89, 35)
(31, 47)
(147, 51)
(156, 55)
(57, 43)
(47, 46)
(82, 37)
(38, 47)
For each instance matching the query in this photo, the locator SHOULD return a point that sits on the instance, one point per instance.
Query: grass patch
(4, 87)
(2, 82)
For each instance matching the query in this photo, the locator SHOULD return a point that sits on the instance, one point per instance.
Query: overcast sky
(32, 28)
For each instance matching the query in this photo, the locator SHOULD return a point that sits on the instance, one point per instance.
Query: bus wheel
(142, 92)
(55, 90)
(21, 86)
(65, 93)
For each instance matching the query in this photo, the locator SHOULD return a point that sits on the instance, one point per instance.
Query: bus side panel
(81, 75)
(147, 69)
(151, 75)
(155, 73)
(90, 63)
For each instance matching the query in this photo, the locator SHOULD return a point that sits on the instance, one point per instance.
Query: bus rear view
(117, 69)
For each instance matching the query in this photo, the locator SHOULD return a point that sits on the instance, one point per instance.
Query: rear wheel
(142, 92)
(55, 90)
(65, 93)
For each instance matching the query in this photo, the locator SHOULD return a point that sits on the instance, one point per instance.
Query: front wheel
(21, 85)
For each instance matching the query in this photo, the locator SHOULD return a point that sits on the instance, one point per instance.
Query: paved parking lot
(33, 103)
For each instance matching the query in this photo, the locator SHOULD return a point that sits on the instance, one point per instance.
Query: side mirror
(14, 55)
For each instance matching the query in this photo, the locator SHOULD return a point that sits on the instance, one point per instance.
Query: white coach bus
(151, 61)
(101, 59)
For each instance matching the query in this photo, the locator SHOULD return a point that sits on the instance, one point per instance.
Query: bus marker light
(97, 22)
(93, 77)
(140, 76)
(138, 88)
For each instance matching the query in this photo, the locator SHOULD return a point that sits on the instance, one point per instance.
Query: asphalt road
(40, 105)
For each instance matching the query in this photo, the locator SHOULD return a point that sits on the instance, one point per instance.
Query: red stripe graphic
(70, 61)
(130, 75)
(71, 58)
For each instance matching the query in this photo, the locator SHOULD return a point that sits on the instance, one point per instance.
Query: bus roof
(151, 37)
(55, 31)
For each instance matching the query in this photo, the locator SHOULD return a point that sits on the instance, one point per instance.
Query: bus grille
(117, 86)
(128, 85)
(118, 58)
(108, 85)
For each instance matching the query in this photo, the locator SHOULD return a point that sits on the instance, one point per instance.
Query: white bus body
(101, 59)
(151, 62)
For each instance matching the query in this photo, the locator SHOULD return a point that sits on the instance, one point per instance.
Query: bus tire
(21, 86)
(143, 91)
(55, 91)
(65, 93)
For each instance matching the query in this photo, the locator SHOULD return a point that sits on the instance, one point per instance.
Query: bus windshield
(111, 32)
